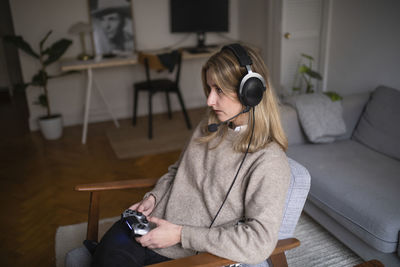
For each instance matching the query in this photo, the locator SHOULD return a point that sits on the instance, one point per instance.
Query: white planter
(51, 127)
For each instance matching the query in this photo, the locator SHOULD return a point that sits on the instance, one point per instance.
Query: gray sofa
(355, 180)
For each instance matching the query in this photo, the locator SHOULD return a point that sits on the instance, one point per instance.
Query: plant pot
(51, 127)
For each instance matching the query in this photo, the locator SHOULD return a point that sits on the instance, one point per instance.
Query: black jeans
(118, 248)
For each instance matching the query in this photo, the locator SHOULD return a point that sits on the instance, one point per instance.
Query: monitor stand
(201, 39)
(201, 47)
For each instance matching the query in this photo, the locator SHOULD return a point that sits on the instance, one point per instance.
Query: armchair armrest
(200, 260)
(209, 260)
(125, 184)
(95, 190)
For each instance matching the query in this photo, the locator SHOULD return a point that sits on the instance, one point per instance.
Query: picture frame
(112, 27)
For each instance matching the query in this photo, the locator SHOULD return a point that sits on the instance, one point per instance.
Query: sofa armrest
(291, 125)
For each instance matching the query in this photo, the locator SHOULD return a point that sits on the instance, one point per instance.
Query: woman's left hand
(166, 234)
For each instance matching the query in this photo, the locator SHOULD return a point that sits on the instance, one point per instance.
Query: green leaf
(40, 79)
(296, 89)
(313, 74)
(333, 96)
(20, 43)
(307, 57)
(57, 50)
(42, 100)
(304, 69)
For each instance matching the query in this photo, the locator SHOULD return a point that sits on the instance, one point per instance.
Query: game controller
(136, 221)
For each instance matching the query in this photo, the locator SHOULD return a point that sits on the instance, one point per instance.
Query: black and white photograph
(112, 25)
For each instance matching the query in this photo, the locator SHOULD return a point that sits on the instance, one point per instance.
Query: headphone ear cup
(251, 92)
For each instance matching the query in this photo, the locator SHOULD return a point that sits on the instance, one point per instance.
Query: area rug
(318, 248)
(168, 134)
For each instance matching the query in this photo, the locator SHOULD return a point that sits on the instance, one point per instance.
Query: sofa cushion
(379, 127)
(353, 106)
(356, 186)
(320, 117)
(291, 125)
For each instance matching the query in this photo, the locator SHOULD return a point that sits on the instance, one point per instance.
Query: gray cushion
(320, 117)
(353, 106)
(379, 127)
(356, 186)
(291, 125)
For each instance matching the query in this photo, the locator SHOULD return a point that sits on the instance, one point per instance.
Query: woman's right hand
(145, 206)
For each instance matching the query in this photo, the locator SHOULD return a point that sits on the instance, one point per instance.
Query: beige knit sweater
(192, 191)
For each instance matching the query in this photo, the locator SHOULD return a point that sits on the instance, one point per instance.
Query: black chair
(152, 86)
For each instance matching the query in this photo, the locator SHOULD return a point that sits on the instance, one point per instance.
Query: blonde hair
(226, 72)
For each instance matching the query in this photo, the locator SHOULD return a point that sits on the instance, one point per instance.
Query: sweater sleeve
(254, 240)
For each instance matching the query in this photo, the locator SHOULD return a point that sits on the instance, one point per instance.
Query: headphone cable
(237, 173)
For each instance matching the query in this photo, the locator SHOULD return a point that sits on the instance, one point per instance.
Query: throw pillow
(320, 117)
(379, 126)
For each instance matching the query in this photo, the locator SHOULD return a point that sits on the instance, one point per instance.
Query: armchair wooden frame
(277, 257)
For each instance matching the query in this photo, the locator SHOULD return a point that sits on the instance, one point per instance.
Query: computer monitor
(199, 16)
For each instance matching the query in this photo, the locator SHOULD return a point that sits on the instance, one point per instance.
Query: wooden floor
(37, 179)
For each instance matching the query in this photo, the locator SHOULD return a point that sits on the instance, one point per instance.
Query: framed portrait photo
(112, 26)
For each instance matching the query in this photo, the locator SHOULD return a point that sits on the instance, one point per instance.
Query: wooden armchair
(298, 190)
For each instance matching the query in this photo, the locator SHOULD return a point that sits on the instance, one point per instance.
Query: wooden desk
(89, 65)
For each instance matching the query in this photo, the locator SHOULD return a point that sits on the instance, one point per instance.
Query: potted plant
(307, 74)
(50, 124)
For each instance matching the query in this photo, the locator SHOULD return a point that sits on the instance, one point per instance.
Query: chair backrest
(299, 187)
(161, 62)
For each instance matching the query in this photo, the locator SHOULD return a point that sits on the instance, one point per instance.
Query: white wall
(365, 45)
(253, 23)
(32, 19)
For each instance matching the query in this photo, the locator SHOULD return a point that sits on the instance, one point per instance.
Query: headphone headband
(240, 53)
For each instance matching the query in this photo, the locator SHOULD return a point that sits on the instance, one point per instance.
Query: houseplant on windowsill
(50, 124)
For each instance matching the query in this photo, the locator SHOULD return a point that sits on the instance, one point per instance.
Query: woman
(226, 193)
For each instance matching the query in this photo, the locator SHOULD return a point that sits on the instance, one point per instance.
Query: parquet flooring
(36, 187)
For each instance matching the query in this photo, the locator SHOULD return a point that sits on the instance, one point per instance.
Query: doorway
(297, 27)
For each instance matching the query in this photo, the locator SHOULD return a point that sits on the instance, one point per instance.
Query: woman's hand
(145, 206)
(166, 234)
